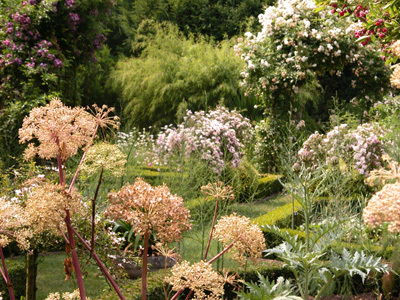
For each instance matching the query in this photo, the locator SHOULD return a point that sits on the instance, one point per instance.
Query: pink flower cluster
(218, 136)
(360, 149)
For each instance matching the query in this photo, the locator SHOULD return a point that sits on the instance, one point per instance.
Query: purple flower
(69, 3)
(30, 65)
(6, 43)
(58, 63)
(32, 2)
(74, 17)
(43, 65)
(51, 56)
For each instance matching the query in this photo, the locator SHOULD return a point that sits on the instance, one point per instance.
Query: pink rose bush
(360, 149)
(219, 136)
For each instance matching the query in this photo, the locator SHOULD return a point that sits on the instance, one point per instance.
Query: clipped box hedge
(268, 184)
(16, 271)
(281, 217)
(152, 175)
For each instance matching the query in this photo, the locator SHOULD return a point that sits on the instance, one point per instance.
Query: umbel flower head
(218, 190)
(65, 296)
(248, 238)
(200, 278)
(12, 224)
(106, 156)
(384, 207)
(381, 176)
(150, 209)
(58, 129)
(46, 205)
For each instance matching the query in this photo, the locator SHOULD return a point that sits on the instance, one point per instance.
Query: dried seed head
(58, 130)
(46, 205)
(218, 190)
(150, 208)
(248, 238)
(199, 277)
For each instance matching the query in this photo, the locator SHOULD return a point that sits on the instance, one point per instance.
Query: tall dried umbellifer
(58, 131)
(150, 209)
(12, 227)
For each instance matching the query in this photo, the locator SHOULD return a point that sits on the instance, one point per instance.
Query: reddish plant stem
(63, 234)
(209, 262)
(144, 264)
(101, 265)
(60, 170)
(74, 255)
(221, 253)
(212, 229)
(94, 211)
(4, 272)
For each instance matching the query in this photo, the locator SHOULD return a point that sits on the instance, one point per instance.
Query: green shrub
(16, 271)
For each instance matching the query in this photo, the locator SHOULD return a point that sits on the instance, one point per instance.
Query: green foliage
(174, 74)
(266, 290)
(16, 271)
(218, 20)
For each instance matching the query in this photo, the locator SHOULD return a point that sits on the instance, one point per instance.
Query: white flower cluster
(297, 44)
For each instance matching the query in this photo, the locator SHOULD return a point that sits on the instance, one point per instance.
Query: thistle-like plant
(268, 290)
(306, 258)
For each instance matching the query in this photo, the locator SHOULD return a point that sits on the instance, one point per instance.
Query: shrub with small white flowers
(300, 53)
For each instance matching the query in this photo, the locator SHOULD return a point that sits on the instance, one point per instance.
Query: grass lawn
(195, 241)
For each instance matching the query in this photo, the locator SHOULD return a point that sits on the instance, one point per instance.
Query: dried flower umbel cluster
(150, 208)
(248, 238)
(46, 205)
(200, 278)
(218, 190)
(104, 156)
(65, 296)
(381, 176)
(384, 207)
(59, 130)
(13, 224)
